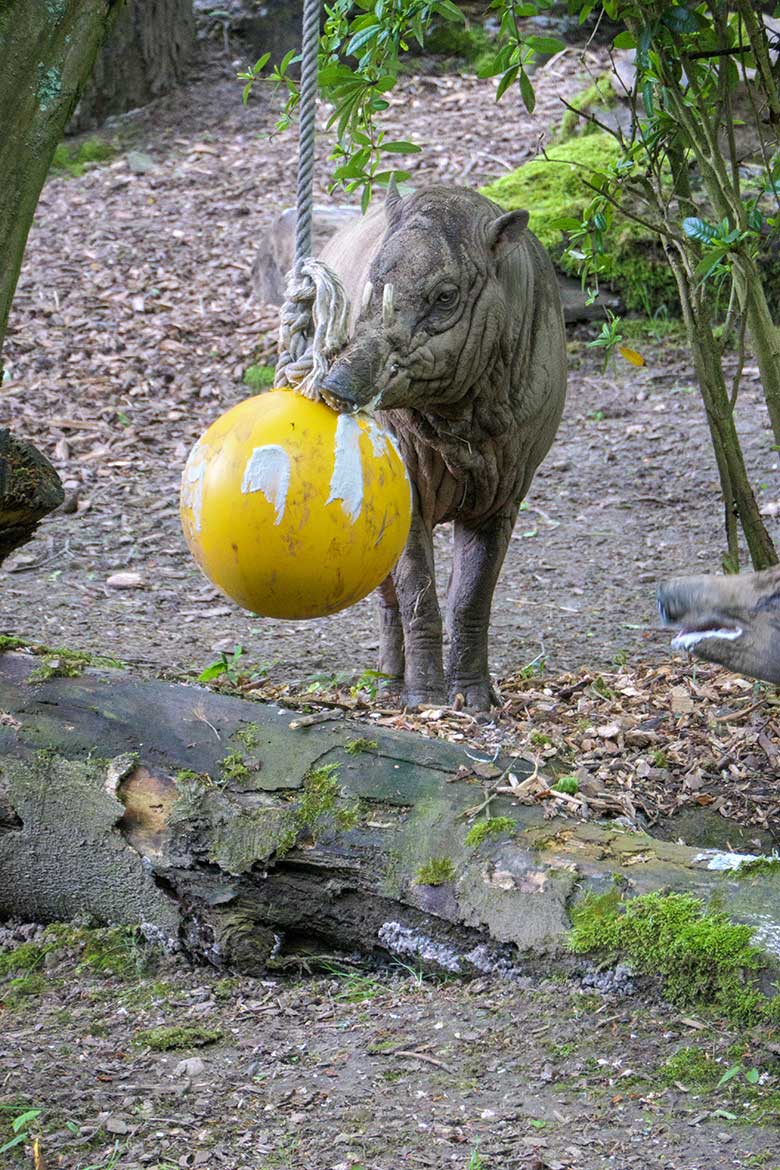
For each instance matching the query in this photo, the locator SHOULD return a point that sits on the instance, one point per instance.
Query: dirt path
(131, 330)
(359, 1072)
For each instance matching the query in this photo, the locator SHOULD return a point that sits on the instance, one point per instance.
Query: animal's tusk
(387, 305)
(368, 292)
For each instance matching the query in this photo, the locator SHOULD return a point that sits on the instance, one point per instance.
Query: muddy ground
(131, 331)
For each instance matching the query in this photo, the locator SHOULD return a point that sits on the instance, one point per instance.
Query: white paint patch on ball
(268, 471)
(346, 483)
(192, 483)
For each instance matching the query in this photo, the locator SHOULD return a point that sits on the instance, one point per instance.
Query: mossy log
(249, 837)
(29, 489)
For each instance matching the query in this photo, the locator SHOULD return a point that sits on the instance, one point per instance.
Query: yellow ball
(293, 510)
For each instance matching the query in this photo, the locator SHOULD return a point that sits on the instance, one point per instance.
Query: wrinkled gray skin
(459, 343)
(731, 620)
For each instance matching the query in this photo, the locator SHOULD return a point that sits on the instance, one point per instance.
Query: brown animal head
(734, 621)
(435, 305)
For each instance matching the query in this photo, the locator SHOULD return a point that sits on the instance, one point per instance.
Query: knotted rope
(315, 314)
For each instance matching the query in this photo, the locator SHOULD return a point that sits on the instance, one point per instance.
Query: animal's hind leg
(391, 632)
(478, 556)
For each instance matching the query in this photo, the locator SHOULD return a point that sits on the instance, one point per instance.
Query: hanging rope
(315, 313)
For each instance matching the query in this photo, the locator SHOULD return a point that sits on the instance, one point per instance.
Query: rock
(193, 1067)
(126, 580)
(139, 162)
(116, 1125)
(271, 27)
(575, 305)
(275, 254)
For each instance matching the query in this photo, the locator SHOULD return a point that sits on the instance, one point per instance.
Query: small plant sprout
(566, 784)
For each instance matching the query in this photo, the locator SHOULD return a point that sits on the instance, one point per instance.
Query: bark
(29, 489)
(145, 56)
(224, 829)
(47, 50)
(735, 484)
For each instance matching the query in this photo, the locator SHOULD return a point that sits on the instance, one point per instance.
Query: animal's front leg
(415, 586)
(391, 632)
(478, 555)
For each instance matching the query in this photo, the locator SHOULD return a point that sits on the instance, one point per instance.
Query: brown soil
(131, 331)
(374, 1072)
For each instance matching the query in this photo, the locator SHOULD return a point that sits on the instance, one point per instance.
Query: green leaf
(401, 147)
(213, 671)
(448, 10)
(624, 40)
(566, 224)
(527, 92)
(699, 229)
(506, 81)
(545, 45)
(710, 262)
(752, 1076)
(24, 1119)
(261, 62)
(17, 1141)
(362, 38)
(683, 20)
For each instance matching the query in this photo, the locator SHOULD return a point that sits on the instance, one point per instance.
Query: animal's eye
(446, 298)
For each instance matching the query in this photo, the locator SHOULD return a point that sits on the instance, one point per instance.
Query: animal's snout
(665, 609)
(674, 601)
(340, 389)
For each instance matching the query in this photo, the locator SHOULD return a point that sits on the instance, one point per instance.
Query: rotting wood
(118, 801)
(30, 488)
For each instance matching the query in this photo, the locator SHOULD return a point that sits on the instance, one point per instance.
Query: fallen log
(29, 489)
(246, 835)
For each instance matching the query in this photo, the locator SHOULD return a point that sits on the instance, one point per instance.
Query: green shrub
(555, 187)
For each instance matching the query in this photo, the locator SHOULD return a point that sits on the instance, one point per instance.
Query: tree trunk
(145, 56)
(251, 837)
(47, 52)
(29, 489)
(735, 484)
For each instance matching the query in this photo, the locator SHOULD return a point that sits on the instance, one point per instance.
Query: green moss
(168, 1037)
(234, 767)
(115, 951)
(702, 957)
(555, 187)
(354, 747)
(22, 988)
(25, 958)
(259, 377)
(492, 827)
(692, 1067)
(226, 988)
(74, 158)
(759, 867)
(458, 40)
(49, 88)
(58, 662)
(598, 96)
(435, 872)
(7, 642)
(249, 735)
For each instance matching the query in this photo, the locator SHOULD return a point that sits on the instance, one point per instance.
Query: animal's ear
(507, 230)
(393, 199)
